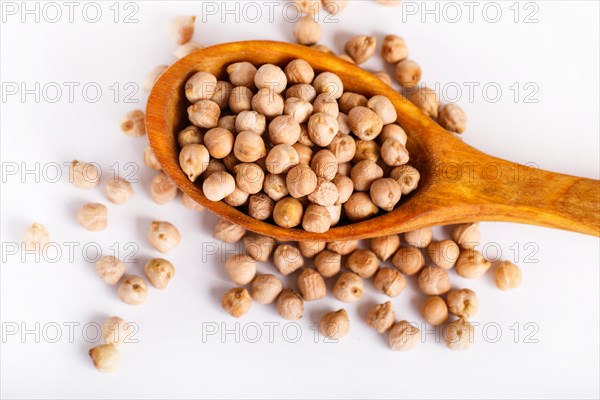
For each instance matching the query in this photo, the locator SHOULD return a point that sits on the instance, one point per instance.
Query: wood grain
(458, 183)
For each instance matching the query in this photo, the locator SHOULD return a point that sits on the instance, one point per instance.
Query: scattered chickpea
(134, 123)
(240, 99)
(434, 310)
(159, 272)
(242, 74)
(187, 49)
(117, 331)
(268, 102)
(419, 238)
(150, 159)
(385, 246)
(363, 262)
(366, 150)
(453, 118)
(163, 236)
(218, 186)
(385, 193)
(84, 175)
(384, 77)
(381, 317)
(93, 217)
(301, 181)
(322, 129)
(365, 123)
(302, 91)
(316, 219)
(118, 191)
(106, 357)
(360, 207)
(462, 303)
(434, 281)
(334, 6)
(275, 187)
(328, 263)
(200, 86)
(404, 336)
(459, 334)
(133, 290)
(288, 212)
(249, 177)
(408, 73)
(181, 28)
(361, 48)
(443, 253)
(348, 288)
(190, 135)
(311, 285)
(258, 247)
(266, 288)
(287, 259)
(228, 232)
(241, 268)
(110, 269)
(394, 153)
(204, 114)
(221, 94)
(407, 176)
(472, 264)
(409, 260)
(330, 83)
(347, 58)
(152, 77)
(236, 302)
(467, 235)
(335, 325)
(426, 99)
(191, 204)
(394, 49)
(507, 276)
(307, 31)
(343, 247)
(389, 282)
(311, 7)
(36, 238)
(290, 305)
(364, 174)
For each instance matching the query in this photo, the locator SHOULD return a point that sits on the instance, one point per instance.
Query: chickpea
(392, 131)
(194, 159)
(364, 174)
(408, 178)
(181, 28)
(117, 331)
(381, 317)
(218, 142)
(304, 138)
(302, 91)
(462, 303)
(240, 99)
(133, 290)
(344, 187)
(328, 263)
(389, 282)
(301, 181)
(249, 177)
(459, 334)
(249, 147)
(322, 129)
(84, 175)
(275, 186)
(324, 164)
(268, 102)
(404, 336)
(201, 86)
(330, 83)
(237, 198)
(335, 325)
(93, 217)
(36, 238)
(241, 269)
(163, 236)
(299, 71)
(190, 135)
(190, 203)
(472, 264)
(316, 219)
(270, 76)
(152, 77)
(159, 272)
(250, 121)
(284, 129)
(409, 260)
(443, 253)
(365, 123)
(236, 302)
(228, 232)
(434, 281)
(419, 238)
(298, 109)
(134, 123)
(204, 114)
(383, 107)
(326, 105)
(334, 6)
(343, 124)
(359, 207)
(150, 159)
(348, 288)
(287, 259)
(265, 288)
(218, 186)
(361, 48)
(453, 118)
(242, 74)
(385, 246)
(343, 247)
(394, 49)
(363, 262)
(222, 92)
(311, 285)
(467, 235)
(394, 153)
(106, 357)
(434, 310)
(384, 77)
(228, 122)
(426, 99)
(309, 249)
(311, 7)
(110, 269)
(307, 31)
(366, 150)
(260, 206)
(343, 148)
(408, 73)
(507, 276)
(290, 305)
(326, 193)
(258, 247)
(344, 168)
(385, 193)
(288, 212)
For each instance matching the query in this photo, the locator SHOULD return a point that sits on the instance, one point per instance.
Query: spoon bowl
(458, 182)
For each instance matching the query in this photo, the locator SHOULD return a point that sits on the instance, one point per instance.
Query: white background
(559, 296)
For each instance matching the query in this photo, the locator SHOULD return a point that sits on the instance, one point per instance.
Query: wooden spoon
(458, 183)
